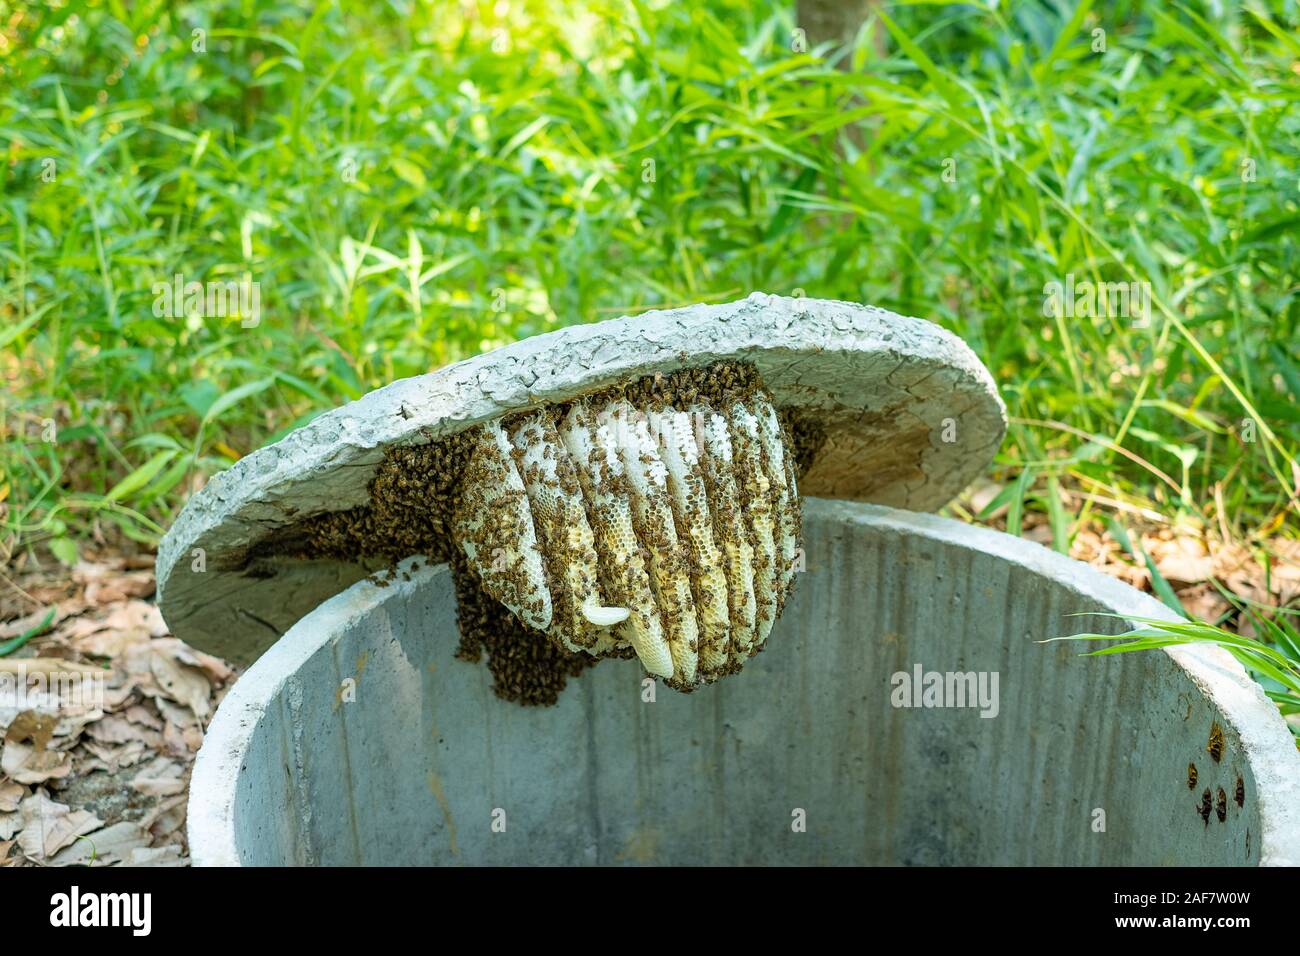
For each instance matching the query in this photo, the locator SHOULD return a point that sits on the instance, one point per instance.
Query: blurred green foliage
(413, 182)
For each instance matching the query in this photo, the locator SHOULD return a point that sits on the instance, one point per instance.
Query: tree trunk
(836, 21)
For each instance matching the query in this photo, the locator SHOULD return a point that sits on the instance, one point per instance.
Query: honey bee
(1206, 806)
(1215, 744)
(1191, 776)
(1240, 795)
(1221, 806)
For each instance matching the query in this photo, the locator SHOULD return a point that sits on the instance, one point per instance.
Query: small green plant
(1274, 662)
(9, 646)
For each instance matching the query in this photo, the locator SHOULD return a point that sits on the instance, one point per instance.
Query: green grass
(502, 189)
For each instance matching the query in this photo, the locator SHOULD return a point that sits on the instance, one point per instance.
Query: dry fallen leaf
(10, 823)
(217, 670)
(169, 855)
(126, 617)
(1181, 558)
(70, 726)
(26, 764)
(103, 847)
(118, 730)
(109, 643)
(167, 817)
(161, 777)
(183, 734)
(1203, 601)
(48, 826)
(142, 715)
(182, 741)
(11, 794)
(182, 683)
(149, 716)
(137, 585)
(113, 757)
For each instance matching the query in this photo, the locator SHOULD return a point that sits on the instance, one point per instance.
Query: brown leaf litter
(96, 752)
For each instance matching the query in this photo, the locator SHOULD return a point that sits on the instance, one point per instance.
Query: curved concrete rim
(1263, 734)
(910, 413)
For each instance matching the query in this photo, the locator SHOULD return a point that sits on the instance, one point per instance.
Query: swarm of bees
(660, 517)
(657, 519)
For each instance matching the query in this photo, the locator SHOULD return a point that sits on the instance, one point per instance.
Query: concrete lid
(911, 416)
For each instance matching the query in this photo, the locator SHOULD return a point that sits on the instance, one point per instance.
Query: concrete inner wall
(417, 768)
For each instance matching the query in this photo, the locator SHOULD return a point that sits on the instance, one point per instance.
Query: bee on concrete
(1215, 744)
(1191, 776)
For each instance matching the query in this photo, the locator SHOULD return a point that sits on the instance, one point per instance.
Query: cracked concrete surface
(888, 389)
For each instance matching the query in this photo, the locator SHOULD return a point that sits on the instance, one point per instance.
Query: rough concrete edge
(214, 783)
(1265, 738)
(581, 357)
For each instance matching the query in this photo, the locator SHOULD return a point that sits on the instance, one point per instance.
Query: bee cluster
(526, 667)
(661, 516)
(411, 498)
(657, 519)
(1216, 802)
